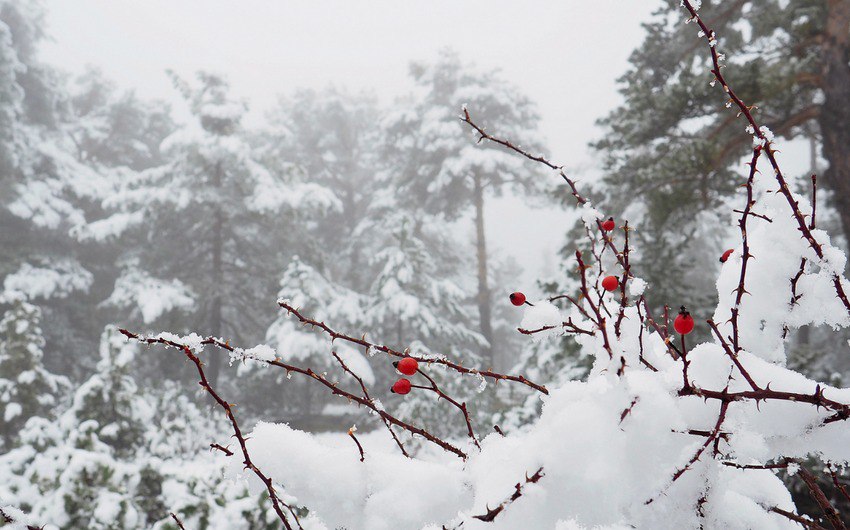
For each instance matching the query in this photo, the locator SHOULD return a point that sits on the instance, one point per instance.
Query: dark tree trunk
(483, 285)
(835, 114)
(215, 307)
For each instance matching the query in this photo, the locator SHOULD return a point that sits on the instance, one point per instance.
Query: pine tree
(673, 153)
(27, 389)
(434, 163)
(208, 226)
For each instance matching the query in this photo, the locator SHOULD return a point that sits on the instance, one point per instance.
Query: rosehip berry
(407, 366)
(684, 323)
(517, 298)
(610, 283)
(609, 224)
(726, 255)
(402, 386)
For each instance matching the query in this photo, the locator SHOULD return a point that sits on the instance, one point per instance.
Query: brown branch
(224, 450)
(178, 521)
(838, 485)
(369, 398)
(389, 351)
(277, 503)
(818, 495)
(711, 38)
(708, 440)
(492, 513)
(742, 224)
(732, 355)
(506, 143)
(624, 299)
(333, 387)
(356, 441)
(460, 406)
(796, 518)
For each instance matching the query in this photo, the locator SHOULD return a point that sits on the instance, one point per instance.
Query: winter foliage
(123, 223)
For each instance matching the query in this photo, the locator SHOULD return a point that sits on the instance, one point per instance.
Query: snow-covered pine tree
(27, 389)
(671, 164)
(209, 227)
(436, 166)
(66, 146)
(380, 263)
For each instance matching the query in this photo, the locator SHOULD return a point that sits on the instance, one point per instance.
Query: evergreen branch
(8, 519)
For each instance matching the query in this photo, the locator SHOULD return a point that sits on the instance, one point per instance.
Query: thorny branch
(746, 111)
(178, 521)
(492, 513)
(332, 386)
(277, 503)
(395, 353)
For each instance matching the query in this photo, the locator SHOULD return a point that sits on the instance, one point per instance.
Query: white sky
(564, 54)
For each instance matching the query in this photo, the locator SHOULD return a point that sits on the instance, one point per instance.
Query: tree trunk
(215, 307)
(835, 114)
(483, 285)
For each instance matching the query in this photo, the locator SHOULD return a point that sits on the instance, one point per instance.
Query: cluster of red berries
(407, 366)
(684, 322)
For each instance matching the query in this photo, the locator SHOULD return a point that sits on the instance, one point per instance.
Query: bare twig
(389, 351)
(492, 513)
(178, 521)
(277, 503)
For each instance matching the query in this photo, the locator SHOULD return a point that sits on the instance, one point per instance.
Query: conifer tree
(27, 389)
(434, 163)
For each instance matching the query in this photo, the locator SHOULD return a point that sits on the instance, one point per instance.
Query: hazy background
(566, 56)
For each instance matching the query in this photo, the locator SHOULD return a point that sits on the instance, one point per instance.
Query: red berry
(726, 255)
(517, 298)
(407, 366)
(609, 224)
(684, 322)
(610, 283)
(402, 386)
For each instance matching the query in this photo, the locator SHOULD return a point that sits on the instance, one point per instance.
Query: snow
(12, 411)
(637, 286)
(59, 280)
(151, 297)
(542, 314)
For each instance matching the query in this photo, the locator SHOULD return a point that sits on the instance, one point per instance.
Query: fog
(566, 56)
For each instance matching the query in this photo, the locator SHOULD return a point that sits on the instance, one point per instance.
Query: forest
(209, 324)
